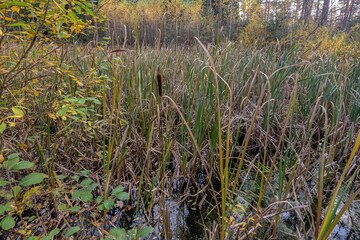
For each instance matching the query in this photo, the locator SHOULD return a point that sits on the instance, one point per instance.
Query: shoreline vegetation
(126, 135)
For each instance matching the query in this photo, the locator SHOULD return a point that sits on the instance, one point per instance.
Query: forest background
(252, 23)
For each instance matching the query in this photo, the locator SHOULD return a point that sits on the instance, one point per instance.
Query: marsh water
(193, 217)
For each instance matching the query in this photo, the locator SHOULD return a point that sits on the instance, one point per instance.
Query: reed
(259, 126)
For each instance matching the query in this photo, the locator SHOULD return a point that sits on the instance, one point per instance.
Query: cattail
(159, 81)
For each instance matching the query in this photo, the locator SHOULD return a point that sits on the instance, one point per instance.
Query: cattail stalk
(159, 82)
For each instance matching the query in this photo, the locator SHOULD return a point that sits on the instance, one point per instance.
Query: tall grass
(265, 124)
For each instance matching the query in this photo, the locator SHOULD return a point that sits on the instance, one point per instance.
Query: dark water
(188, 220)
(189, 217)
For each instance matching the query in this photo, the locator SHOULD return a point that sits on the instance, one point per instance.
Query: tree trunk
(317, 10)
(347, 12)
(231, 17)
(324, 13)
(307, 7)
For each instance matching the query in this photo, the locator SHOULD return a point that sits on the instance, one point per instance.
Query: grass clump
(92, 136)
(263, 126)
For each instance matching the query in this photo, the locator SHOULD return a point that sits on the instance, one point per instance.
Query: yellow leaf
(54, 104)
(24, 146)
(28, 196)
(52, 116)
(80, 83)
(36, 93)
(25, 232)
(15, 8)
(25, 89)
(1, 158)
(241, 206)
(11, 124)
(2, 71)
(15, 116)
(10, 19)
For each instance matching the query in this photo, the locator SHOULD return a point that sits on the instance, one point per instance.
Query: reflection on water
(186, 219)
(348, 227)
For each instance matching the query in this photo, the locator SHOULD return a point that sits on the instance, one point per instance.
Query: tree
(231, 16)
(306, 10)
(33, 23)
(347, 13)
(324, 13)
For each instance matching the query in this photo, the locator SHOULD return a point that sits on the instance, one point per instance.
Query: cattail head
(159, 82)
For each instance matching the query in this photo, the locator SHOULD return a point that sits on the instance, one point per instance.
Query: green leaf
(2, 210)
(63, 111)
(13, 159)
(99, 199)
(8, 196)
(18, 24)
(91, 187)
(51, 234)
(73, 17)
(94, 100)
(31, 218)
(77, 194)
(17, 3)
(62, 207)
(60, 177)
(75, 209)
(16, 190)
(81, 101)
(86, 196)
(75, 178)
(7, 223)
(8, 207)
(13, 156)
(119, 234)
(146, 231)
(82, 114)
(58, 25)
(31, 179)
(3, 183)
(123, 196)
(54, 232)
(132, 233)
(18, 112)
(117, 190)
(86, 182)
(101, 207)
(32, 138)
(23, 165)
(71, 231)
(88, 10)
(109, 204)
(2, 127)
(85, 172)
(78, 10)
